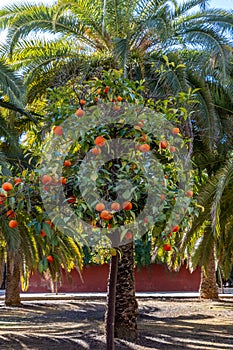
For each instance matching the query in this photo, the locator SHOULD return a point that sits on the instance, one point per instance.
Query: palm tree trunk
(126, 303)
(208, 286)
(12, 296)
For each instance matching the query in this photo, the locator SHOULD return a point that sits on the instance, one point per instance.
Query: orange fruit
(79, 113)
(175, 131)
(49, 222)
(127, 205)
(100, 141)
(119, 98)
(63, 180)
(163, 144)
(129, 235)
(172, 149)
(46, 179)
(144, 137)
(43, 234)
(189, 193)
(106, 90)
(71, 199)
(167, 247)
(7, 186)
(115, 206)
(58, 130)
(96, 151)
(100, 206)
(82, 102)
(50, 258)
(17, 180)
(175, 228)
(144, 148)
(13, 223)
(99, 91)
(10, 214)
(67, 163)
(106, 215)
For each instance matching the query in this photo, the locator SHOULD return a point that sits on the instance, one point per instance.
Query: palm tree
(209, 240)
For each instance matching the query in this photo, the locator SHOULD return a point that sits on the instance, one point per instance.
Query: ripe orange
(43, 234)
(50, 258)
(163, 144)
(100, 206)
(119, 98)
(13, 223)
(99, 91)
(58, 130)
(17, 180)
(115, 206)
(144, 148)
(49, 222)
(144, 137)
(106, 90)
(175, 131)
(172, 149)
(79, 113)
(46, 179)
(167, 247)
(96, 151)
(7, 186)
(129, 235)
(63, 180)
(82, 102)
(100, 141)
(175, 228)
(10, 214)
(106, 215)
(189, 193)
(67, 163)
(71, 199)
(127, 205)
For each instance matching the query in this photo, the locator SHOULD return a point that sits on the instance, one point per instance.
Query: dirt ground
(167, 324)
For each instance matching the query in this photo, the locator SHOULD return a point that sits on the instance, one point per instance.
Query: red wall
(155, 278)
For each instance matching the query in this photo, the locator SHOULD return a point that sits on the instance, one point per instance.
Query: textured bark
(12, 296)
(208, 286)
(111, 302)
(126, 303)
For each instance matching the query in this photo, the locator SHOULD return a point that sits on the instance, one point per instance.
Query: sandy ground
(165, 324)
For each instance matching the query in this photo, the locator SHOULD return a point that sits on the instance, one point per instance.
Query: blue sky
(227, 4)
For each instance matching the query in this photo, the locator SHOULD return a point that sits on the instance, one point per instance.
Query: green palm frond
(224, 176)
(11, 84)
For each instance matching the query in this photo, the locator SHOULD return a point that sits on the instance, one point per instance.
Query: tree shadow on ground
(79, 325)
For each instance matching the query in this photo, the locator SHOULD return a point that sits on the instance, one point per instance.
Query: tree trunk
(208, 286)
(111, 302)
(12, 296)
(126, 303)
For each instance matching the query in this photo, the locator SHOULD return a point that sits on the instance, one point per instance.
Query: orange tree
(114, 171)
